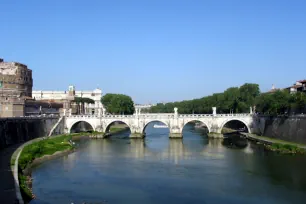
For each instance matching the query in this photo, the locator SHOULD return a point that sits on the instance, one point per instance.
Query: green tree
(83, 100)
(298, 102)
(236, 99)
(275, 103)
(118, 104)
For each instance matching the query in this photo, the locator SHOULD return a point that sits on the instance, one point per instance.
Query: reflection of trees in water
(195, 126)
(235, 141)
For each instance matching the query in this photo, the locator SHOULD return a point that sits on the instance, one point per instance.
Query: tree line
(232, 100)
(281, 102)
(239, 100)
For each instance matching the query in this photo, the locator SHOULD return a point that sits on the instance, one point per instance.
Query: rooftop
(296, 86)
(8, 65)
(302, 81)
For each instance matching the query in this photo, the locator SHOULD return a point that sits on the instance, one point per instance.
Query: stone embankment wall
(291, 128)
(18, 130)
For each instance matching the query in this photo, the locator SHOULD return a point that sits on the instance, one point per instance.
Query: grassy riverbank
(45, 148)
(285, 148)
(278, 145)
(38, 149)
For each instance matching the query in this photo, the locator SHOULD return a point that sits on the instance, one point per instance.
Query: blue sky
(156, 50)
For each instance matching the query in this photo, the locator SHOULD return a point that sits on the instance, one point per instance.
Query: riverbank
(42, 149)
(38, 151)
(118, 128)
(271, 144)
(277, 145)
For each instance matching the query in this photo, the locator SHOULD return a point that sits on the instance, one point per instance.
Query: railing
(31, 117)
(118, 116)
(162, 115)
(82, 116)
(194, 115)
(211, 115)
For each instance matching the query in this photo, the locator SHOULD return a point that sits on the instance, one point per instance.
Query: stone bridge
(176, 122)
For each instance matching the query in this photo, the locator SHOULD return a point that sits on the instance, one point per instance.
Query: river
(159, 170)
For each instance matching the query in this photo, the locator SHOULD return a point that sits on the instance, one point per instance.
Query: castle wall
(16, 80)
(15, 85)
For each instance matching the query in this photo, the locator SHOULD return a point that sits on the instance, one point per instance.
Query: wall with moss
(18, 130)
(291, 128)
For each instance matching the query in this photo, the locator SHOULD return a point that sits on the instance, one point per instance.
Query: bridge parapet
(211, 115)
(117, 116)
(162, 115)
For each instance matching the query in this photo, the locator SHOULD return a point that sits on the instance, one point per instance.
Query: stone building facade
(67, 98)
(15, 87)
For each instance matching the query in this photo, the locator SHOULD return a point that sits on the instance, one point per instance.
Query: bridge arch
(195, 120)
(235, 119)
(81, 126)
(155, 120)
(108, 126)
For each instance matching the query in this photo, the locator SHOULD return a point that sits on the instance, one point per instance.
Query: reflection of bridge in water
(138, 149)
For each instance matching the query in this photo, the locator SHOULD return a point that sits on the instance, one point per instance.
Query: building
(299, 86)
(273, 89)
(68, 97)
(16, 86)
(144, 108)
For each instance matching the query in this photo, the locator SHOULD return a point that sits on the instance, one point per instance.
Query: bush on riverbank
(285, 148)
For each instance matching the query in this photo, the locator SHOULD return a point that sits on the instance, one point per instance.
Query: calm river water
(159, 170)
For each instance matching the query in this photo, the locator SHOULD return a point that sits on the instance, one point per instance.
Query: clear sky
(156, 50)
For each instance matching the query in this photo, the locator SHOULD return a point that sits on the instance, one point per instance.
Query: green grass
(96, 133)
(114, 129)
(286, 148)
(24, 190)
(37, 149)
(43, 147)
(279, 141)
(117, 128)
(280, 146)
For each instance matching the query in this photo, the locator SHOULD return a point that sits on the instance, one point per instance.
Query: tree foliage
(239, 100)
(281, 102)
(234, 99)
(118, 104)
(83, 100)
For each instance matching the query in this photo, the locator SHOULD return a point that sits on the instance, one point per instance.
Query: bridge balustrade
(156, 116)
